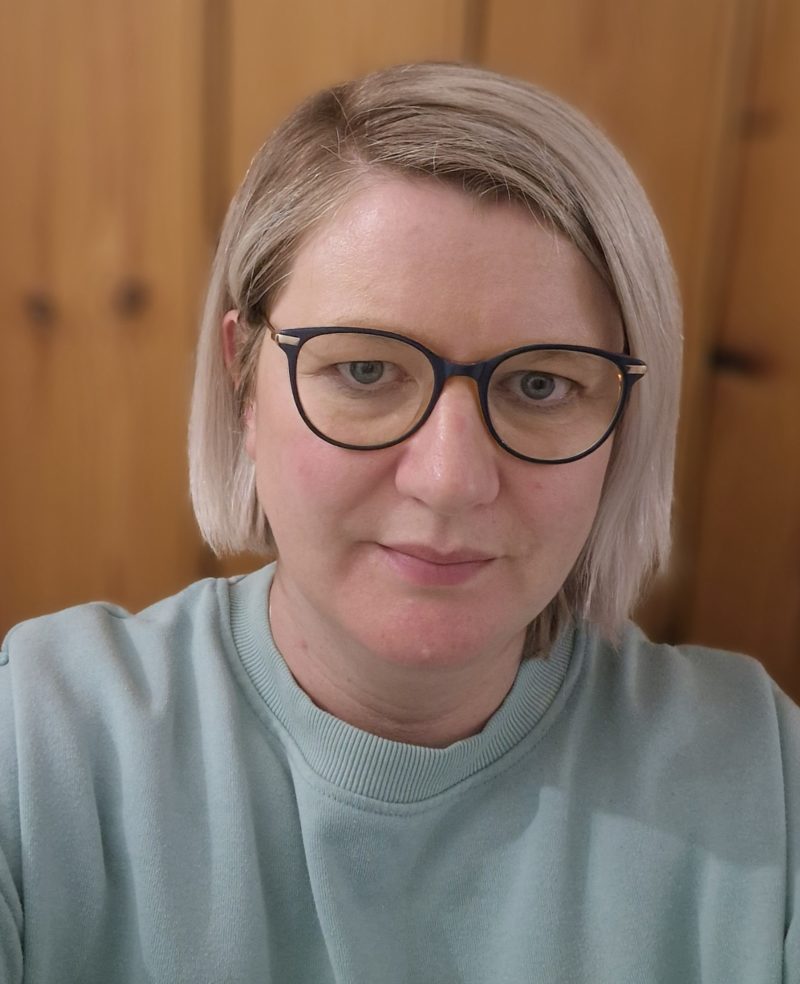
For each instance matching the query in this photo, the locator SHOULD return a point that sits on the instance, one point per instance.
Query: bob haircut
(497, 139)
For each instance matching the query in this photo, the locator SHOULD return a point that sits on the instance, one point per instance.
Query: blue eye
(363, 372)
(537, 385)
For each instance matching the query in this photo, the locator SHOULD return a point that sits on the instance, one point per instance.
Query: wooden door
(745, 593)
(103, 247)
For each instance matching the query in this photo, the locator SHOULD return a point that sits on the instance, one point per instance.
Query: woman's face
(443, 548)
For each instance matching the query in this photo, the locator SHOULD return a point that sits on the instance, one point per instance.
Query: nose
(451, 463)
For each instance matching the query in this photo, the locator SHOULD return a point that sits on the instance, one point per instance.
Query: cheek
(287, 463)
(276, 435)
(582, 494)
(561, 504)
(309, 489)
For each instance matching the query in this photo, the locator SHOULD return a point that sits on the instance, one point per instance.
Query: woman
(438, 375)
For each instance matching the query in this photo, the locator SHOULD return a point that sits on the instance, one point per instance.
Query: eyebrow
(354, 320)
(357, 321)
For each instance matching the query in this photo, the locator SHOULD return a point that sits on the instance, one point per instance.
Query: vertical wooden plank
(99, 300)
(747, 593)
(667, 82)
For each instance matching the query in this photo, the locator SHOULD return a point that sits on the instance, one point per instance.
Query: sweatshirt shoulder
(76, 634)
(691, 668)
(708, 691)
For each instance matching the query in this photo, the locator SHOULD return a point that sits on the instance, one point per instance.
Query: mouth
(442, 557)
(427, 566)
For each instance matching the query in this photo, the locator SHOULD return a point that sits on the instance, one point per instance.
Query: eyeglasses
(365, 389)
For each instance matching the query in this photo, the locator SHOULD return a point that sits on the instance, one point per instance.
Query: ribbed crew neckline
(366, 764)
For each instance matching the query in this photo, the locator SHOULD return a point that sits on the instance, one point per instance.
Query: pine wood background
(127, 126)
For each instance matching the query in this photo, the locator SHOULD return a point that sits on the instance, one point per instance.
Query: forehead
(464, 277)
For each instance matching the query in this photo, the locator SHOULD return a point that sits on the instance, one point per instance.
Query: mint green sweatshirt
(173, 808)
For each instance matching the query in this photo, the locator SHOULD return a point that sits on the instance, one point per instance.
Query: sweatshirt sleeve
(789, 724)
(10, 846)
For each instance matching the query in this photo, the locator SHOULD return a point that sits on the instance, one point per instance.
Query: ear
(230, 331)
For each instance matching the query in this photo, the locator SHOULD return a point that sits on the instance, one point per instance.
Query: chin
(426, 636)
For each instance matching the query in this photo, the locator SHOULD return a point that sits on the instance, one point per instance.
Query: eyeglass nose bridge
(479, 372)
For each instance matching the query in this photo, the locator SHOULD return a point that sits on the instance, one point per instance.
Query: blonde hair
(495, 138)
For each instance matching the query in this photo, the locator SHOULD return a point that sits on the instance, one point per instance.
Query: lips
(426, 567)
(441, 557)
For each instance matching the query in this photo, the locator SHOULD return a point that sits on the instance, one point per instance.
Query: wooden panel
(667, 82)
(748, 584)
(102, 252)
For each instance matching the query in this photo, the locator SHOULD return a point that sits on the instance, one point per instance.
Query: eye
(543, 385)
(363, 373)
(537, 385)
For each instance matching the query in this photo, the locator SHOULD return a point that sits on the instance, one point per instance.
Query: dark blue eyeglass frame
(291, 340)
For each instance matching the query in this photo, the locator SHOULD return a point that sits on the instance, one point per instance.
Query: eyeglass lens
(367, 390)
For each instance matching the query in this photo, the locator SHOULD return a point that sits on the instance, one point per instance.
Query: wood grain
(747, 587)
(102, 257)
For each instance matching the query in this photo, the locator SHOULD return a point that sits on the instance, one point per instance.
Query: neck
(427, 704)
